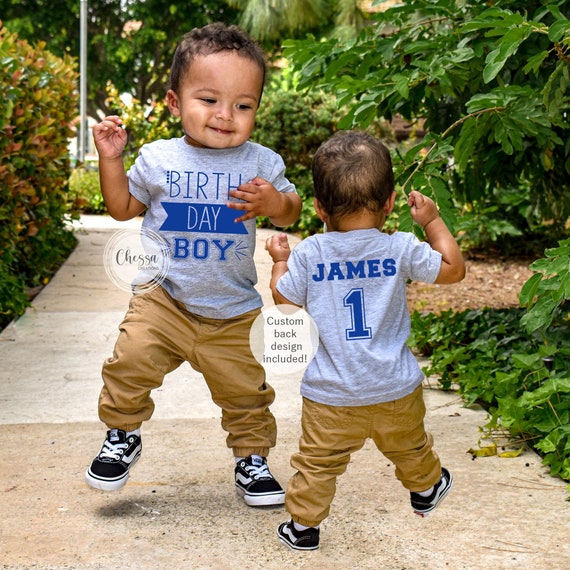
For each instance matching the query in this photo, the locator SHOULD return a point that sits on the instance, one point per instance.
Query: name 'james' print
(365, 268)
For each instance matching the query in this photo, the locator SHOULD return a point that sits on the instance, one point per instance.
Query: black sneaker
(307, 539)
(255, 483)
(110, 469)
(424, 505)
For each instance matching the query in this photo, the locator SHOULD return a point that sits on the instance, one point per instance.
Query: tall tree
(492, 82)
(131, 42)
(273, 20)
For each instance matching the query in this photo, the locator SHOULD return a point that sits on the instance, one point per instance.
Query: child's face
(218, 100)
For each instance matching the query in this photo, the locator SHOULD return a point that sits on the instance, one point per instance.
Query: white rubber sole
(268, 500)
(106, 484)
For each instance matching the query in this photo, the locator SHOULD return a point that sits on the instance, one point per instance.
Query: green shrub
(521, 378)
(38, 102)
(85, 191)
(546, 294)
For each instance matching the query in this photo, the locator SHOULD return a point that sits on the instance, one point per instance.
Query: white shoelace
(258, 472)
(113, 450)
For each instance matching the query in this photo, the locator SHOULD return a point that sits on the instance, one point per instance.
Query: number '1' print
(354, 299)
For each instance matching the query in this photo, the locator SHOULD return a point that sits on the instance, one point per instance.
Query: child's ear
(389, 205)
(323, 216)
(173, 103)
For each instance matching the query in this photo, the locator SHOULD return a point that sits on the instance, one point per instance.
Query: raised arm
(279, 250)
(424, 212)
(110, 139)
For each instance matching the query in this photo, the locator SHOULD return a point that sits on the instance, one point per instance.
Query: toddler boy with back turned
(363, 382)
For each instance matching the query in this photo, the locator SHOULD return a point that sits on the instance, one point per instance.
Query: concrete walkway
(179, 509)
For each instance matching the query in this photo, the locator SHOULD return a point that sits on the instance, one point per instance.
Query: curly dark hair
(213, 38)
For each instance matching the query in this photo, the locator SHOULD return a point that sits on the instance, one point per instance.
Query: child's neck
(365, 220)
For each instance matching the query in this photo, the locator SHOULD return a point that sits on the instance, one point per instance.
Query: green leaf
(508, 45)
(559, 30)
(562, 251)
(491, 70)
(402, 84)
(549, 443)
(526, 361)
(529, 290)
(540, 316)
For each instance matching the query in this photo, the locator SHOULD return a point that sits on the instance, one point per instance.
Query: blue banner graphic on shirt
(201, 218)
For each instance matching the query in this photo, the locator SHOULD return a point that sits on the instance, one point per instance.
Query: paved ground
(180, 511)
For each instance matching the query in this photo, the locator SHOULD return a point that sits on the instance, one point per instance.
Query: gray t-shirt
(353, 284)
(186, 190)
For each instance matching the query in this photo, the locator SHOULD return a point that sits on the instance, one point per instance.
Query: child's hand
(278, 247)
(260, 199)
(423, 209)
(424, 212)
(110, 138)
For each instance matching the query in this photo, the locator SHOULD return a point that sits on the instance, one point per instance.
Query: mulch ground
(489, 282)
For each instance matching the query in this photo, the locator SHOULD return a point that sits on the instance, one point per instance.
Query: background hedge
(37, 108)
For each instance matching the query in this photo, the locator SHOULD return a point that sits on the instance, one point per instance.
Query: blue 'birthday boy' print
(210, 216)
(196, 185)
(186, 190)
(201, 218)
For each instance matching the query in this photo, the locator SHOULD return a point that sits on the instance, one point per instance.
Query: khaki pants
(331, 434)
(156, 336)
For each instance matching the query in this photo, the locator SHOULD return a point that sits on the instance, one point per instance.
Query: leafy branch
(443, 136)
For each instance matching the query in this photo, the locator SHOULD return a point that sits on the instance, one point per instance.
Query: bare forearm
(279, 269)
(452, 263)
(289, 211)
(115, 190)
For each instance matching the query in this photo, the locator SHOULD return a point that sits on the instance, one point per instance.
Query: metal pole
(82, 82)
